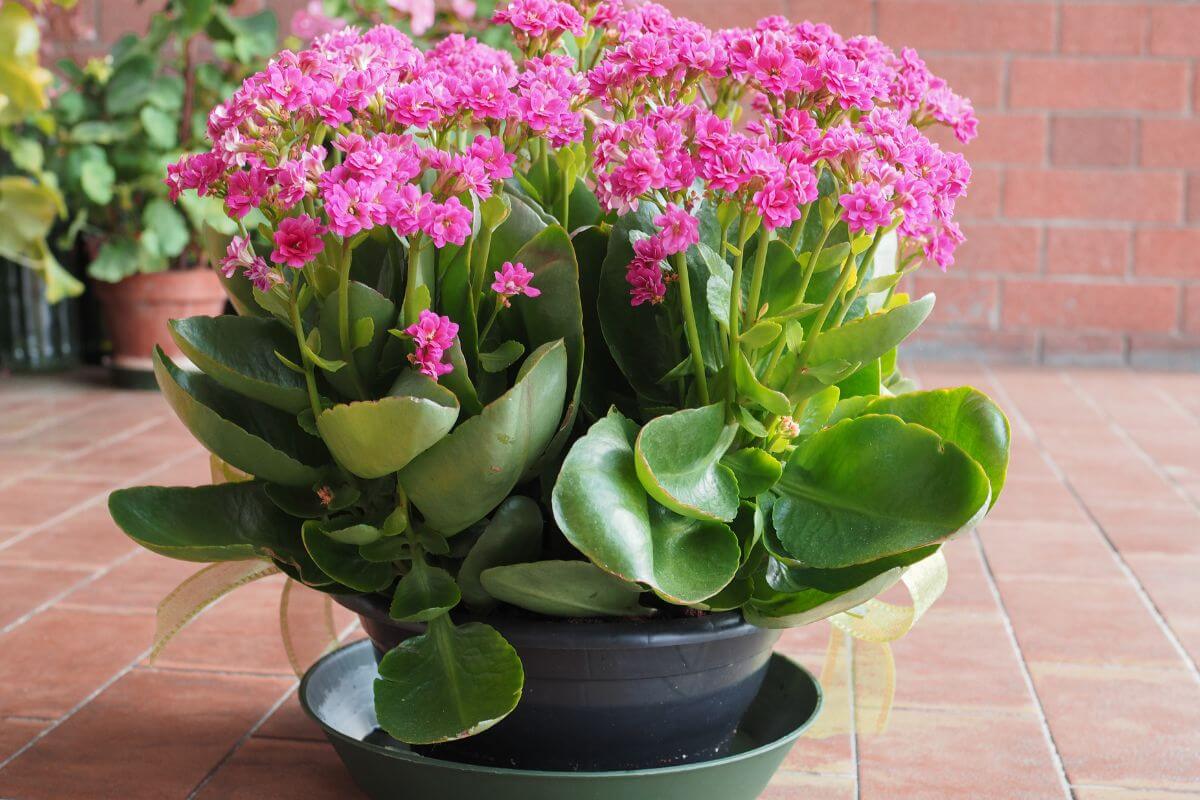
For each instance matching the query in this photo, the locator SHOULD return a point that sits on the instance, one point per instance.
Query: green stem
(689, 326)
(564, 212)
(868, 257)
(412, 280)
(810, 268)
(344, 323)
(823, 314)
(760, 263)
(491, 321)
(310, 379)
(798, 231)
(480, 250)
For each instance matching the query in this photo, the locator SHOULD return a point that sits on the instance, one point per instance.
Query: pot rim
(562, 634)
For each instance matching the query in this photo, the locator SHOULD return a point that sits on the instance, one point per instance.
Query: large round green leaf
(467, 473)
(366, 338)
(423, 593)
(255, 438)
(678, 458)
(512, 535)
(449, 683)
(871, 487)
(228, 522)
(373, 438)
(239, 353)
(867, 338)
(342, 562)
(603, 510)
(965, 416)
(564, 589)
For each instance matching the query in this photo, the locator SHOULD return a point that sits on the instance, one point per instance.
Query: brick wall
(1084, 214)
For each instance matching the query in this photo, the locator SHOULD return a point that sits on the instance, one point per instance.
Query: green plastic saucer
(337, 693)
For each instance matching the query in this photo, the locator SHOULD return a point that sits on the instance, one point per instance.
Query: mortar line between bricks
(74, 710)
(90, 501)
(33, 612)
(245, 737)
(1171, 401)
(51, 421)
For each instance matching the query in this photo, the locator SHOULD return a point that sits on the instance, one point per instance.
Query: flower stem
(760, 263)
(823, 314)
(344, 324)
(868, 257)
(310, 379)
(689, 326)
(811, 267)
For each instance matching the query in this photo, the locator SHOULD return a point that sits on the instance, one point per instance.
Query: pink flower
(310, 22)
(646, 283)
(512, 280)
(247, 189)
(240, 255)
(679, 229)
(421, 13)
(433, 336)
(865, 208)
(297, 241)
(199, 171)
(446, 222)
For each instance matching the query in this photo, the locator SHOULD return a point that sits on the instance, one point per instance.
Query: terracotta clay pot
(136, 311)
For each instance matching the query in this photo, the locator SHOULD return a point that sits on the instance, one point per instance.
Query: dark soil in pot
(609, 695)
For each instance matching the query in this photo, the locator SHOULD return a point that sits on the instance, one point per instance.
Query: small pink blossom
(240, 255)
(448, 222)
(646, 284)
(433, 336)
(865, 208)
(512, 280)
(297, 241)
(679, 229)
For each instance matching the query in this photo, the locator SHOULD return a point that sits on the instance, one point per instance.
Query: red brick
(23, 588)
(1191, 310)
(977, 77)
(1174, 29)
(1166, 352)
(961, 301)
(974, 27)
(1171, 143)
(263, 769)
(1093, 141)
(982, 200)
(16, 733)
(1003, 139)
(1093, 194)
(848, 17)
(1193, 198)
(718, 14)
(999, 247)
(1090, 349)
(1167, 252)
(1087, 251)
(1084, 84)
(1109, 306)
(1109, 29)
(942, 342)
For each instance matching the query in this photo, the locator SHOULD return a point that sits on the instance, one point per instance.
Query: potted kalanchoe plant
(567, 338)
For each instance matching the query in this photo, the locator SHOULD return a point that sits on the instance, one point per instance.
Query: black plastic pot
(601, 696)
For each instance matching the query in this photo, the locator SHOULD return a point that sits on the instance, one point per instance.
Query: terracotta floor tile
(175, 726)
(136, 584)
(290, 722)
(1114, 793)
(87, 538)
(1084, 622)
(1037, 501)
(22, 589)
(967, 589)
(1172, 584)
(58, 658)
(31, 501)
(800, 786)
(266, 769)
(1136, 728)
(16, 733)
(192, 470)
(936, 755)
(1169, 531)
(1053, 550)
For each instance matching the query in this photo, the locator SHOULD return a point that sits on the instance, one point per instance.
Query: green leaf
(239, 353)
(875, 486)
(169, 227)
(227, 522)
(387, 549)
(373, 438)
(867, 338)
(720, 284)
(96, 178)
(102, 132)
(790, 578)
(866, 381)
(964, 416)
(468, 472)
(160, 127)
(749, 387)
(502, 357)
(513, 535)
(678, 458)
(256, 439)
(817, 410)
(449, 683)
(368, 307)
(755, 469)
(342, 562)
(129, 85)
(359, 534)
(762, 334)
(424, 593)
(117, 259)
(564, 589)
(794, 609)
(602, 509)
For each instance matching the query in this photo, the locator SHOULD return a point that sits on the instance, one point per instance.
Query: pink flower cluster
(544, 20)
(512, 280)
(434, 336)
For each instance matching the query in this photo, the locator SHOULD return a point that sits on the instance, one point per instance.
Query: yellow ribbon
(286, 628)
(859, 673)
(187, 600)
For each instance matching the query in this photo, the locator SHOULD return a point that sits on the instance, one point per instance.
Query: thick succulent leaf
(239, 353)
(602, 509)
(227, 522)
(513, 535)
(424, 593)
(867, 338)
(449, 683)
(965, 416)
(872, 487)
(679, 463)
(252, 437)
(564, 589)
(817, 410)
(603, 383)
(785, 577)
(467, 473)
(373, 438)
(342, 562)
(755, 469)
(363, 303)
(794, 609)
(865, 382)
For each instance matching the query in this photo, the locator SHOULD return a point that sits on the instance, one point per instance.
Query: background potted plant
(423, 20)
(504, 360)
(116, 124)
